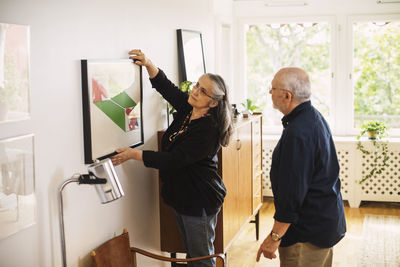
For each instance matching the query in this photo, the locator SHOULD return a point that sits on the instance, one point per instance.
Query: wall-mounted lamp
(285, 3)
(101, 174)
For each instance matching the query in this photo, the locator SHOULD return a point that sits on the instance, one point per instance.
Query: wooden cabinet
(256, 131)
(240, 168)
(236, 164)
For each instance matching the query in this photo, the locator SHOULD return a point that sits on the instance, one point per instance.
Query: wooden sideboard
(240, 166)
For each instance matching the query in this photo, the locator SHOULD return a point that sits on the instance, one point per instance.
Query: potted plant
(376, 131)
(250, 107)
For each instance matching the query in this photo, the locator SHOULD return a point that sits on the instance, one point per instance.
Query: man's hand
(268, 248)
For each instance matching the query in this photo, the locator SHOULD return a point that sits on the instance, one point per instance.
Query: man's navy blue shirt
(305, 180)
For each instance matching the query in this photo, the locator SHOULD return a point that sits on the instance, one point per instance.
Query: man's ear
(213, 104)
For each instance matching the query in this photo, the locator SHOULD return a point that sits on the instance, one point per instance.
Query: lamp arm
(107, 194)
(74, 179)
(86, 179)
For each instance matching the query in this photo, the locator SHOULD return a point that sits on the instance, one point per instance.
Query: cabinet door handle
(238, 144)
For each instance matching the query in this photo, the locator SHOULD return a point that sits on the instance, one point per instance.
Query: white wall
(224, 43)
(62, 33)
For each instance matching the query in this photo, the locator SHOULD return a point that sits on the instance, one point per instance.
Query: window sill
(336, 139)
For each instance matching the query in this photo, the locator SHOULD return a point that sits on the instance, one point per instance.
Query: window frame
(341, 119)
(351, 130)
(242, 83)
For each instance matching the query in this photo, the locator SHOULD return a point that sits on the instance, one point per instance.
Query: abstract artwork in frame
(17, 184)
(191, 55)
(14, 72)
(112, 106)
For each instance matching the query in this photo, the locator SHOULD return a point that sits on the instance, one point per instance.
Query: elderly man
(309, 215)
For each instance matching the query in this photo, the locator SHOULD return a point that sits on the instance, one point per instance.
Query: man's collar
(296, 111)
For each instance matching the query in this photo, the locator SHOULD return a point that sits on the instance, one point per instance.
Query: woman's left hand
(125, 154)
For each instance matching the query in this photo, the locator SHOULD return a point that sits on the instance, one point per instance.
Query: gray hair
(222, 112)
(297, 82)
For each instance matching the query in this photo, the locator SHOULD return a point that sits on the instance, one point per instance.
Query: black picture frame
(190, 55)
(112, 103)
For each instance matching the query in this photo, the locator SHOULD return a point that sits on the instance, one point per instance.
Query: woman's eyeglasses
(202, 90)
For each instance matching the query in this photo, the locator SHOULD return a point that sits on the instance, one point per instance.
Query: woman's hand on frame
(125, 154)
(139, 58)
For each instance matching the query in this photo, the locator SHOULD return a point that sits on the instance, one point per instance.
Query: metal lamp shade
(111, 190)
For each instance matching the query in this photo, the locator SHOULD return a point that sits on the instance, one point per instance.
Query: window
(376, 72)
(271, 46)
(354, 67)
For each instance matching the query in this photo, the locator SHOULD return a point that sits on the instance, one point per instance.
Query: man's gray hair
(297, 82)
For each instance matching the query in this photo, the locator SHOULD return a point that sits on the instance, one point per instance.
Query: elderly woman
(188, 160)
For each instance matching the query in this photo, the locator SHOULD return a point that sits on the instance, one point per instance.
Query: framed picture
(112, 106)
(191, 55)
(14, 72)
(17, 184)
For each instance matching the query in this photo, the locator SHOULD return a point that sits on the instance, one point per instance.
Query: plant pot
(372, 135)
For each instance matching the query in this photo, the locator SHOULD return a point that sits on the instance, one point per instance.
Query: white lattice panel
(384, 186)
(344, 175)
(268, 148)
(353, 165)
(347, 163)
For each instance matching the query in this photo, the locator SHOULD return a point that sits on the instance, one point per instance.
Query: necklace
(182, 129)
(184, 126)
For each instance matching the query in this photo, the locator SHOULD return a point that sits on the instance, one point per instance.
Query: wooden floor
(243, 251)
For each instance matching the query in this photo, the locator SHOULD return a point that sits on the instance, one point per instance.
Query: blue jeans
(198, 234)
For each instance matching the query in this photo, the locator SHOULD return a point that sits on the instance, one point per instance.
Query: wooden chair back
(117, 252)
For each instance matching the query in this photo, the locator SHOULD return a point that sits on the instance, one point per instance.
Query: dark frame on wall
(191, 55)
(112, 98)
